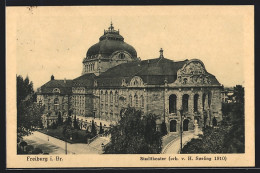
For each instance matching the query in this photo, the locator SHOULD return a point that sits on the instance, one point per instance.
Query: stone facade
(114, 78)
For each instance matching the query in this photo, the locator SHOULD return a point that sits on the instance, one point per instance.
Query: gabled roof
(63, 85)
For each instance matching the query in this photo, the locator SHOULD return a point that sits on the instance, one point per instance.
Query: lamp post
(65, 147)
(181, 113)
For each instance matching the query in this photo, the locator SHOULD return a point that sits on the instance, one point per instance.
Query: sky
(54, 40)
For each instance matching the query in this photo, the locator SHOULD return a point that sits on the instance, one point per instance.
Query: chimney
(52, 77)
(64, 80)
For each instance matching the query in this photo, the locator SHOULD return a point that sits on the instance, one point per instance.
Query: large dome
(109, 43)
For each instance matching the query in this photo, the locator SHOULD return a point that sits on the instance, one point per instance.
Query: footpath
(174, 146)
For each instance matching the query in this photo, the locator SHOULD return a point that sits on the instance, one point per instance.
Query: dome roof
(110, 42)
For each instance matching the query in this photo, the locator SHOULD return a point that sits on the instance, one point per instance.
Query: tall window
(111, 97)
(116, 97)
(203, 101)
(196, 99)
(106, 97)
(56, 104)
(136, 101)
(130, 100)
(185, 102)
(142, 101)
(172, 103)
(101, 96)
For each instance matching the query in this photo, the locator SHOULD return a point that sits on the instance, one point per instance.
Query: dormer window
(56, 90)
(121, 56)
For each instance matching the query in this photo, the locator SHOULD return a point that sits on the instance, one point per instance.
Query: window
(56, 90)
(172, 103)
(203, 101)
(40, 103)
(196, 99)
(106, 97)
(185, 103)
(111, 97)
(142, 101)
(56, 104)
(116, 97)
(101, 96)
(130, 100)
(136, 100)
(121, 56)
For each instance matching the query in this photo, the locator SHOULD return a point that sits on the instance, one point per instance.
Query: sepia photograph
(106, 82)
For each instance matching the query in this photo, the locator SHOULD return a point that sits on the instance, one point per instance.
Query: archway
(173, 125)
(185, 125)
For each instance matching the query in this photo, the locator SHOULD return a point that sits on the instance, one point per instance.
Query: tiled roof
(86, 80)
(63, 85)
(153, 71)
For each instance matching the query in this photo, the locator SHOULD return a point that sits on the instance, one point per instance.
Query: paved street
(55, 146)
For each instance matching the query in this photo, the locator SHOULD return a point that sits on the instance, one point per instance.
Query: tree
(101, 130)
(229, 137)
(68, 121)
(164, 129)
(28, 111)
(132, 135)
(29, 148)
(37, 151)
(24, 88)
(239, 94)
(75, 123)
(23, 144)
(67, 131)
(59, 119)
(93, 129)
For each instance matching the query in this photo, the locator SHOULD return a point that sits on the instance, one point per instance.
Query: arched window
(106, 97)
(136, 101)
(111, 96)
(116, 97)
(173, 103)
(185, 103)
(56, 104)
(142, 101)
(56, 90)
(196, 99)
(130, 100)
(203, 101)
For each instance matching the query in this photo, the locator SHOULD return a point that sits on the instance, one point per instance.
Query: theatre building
(113, 77)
